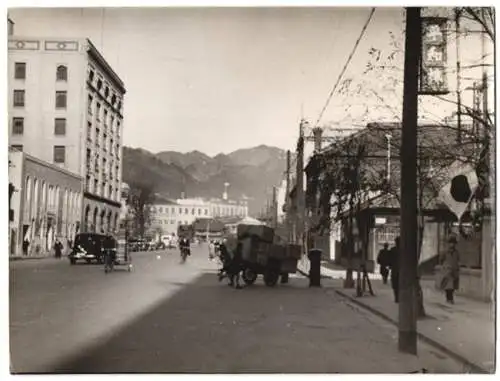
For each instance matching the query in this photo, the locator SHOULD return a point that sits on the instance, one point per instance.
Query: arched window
(36, 194)
(86, 218)
(43, 199)
(62, 73)
(94, 220)
(27, 193)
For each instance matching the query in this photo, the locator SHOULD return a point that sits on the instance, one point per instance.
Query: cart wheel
(249, 276)
(271, 278)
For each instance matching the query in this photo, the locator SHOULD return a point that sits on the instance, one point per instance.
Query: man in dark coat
(58, 247)
(394, 256)
(236, 266)
(383, 261)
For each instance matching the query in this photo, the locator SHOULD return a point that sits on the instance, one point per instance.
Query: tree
(381, 83)
(140, 198)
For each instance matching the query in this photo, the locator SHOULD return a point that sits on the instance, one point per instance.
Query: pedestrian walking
(58, 247)
(449, 274)
(394, 256)
(236, 266)
(383, 261)
(211, 250)
(26, 245)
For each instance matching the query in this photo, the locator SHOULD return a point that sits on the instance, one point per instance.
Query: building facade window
(59, 154)
(91, 76)
(17, 126)
(19, 98)
(89, 104)
(20, 70)
(60, 126)
(99, 84)
(98, 111)
(61, 99)
(62, 73)
(89, 130)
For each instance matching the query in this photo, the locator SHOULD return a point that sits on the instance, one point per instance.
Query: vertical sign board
(433, 58)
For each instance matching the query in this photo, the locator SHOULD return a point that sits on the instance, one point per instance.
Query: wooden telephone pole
(409, 227)
(300, 185)
(287, 199)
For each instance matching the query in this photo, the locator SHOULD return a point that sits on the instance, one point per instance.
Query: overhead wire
(349, 58)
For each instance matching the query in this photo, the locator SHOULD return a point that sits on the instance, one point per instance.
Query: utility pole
(459, 90)
(300, 185)
(274, 209)
(408, 250)
(287, 199)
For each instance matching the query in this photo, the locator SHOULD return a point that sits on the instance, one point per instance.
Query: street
(167, 317)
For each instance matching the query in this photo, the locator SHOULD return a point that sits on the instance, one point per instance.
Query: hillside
(251, 172)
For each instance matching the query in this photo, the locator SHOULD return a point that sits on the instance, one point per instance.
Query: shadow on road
(198, 329)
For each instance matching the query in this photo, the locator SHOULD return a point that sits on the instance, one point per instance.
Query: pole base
(407, 342)
(349, 281)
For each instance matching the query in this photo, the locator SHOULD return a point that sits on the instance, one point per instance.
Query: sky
(221, 79)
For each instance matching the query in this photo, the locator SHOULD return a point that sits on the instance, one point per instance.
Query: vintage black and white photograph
(216, 189)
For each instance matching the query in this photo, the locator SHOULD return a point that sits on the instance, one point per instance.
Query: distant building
(167, 215)
(226, 208)
(66, 107)
(47, 204)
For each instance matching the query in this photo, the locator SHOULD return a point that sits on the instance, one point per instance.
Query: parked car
(90, 247)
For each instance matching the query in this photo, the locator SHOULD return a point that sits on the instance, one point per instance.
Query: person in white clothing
(211, 250)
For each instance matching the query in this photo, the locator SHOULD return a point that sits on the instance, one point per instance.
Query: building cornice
(97, 56)
(104, 200)
(50, 165)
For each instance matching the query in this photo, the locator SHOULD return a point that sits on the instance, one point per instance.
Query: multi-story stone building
(46, 205)
(66, 108)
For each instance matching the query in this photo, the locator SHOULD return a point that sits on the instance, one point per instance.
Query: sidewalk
(26, 257)
(464, 331)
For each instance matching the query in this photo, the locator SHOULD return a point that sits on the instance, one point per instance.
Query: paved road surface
(168, 317)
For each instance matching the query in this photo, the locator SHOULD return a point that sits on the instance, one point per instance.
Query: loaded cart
(121, 255)
(261, 255)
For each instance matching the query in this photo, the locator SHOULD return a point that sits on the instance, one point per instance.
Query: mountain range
(250, 172)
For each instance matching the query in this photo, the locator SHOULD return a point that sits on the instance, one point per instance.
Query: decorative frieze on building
(61, 45)
(23, 44)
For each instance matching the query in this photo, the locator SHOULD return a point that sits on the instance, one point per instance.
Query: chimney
(318, 134)
(224, 195)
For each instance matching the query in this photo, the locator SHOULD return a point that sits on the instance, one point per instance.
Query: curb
(307, 275)
(472, 367)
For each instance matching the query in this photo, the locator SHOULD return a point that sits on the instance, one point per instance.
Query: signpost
(433, 59)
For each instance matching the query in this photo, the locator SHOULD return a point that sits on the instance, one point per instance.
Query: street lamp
(388, 137)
